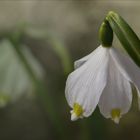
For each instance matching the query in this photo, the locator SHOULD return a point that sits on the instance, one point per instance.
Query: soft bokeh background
(52, 34)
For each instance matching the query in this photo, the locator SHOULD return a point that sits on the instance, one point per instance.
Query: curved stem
(41, 90)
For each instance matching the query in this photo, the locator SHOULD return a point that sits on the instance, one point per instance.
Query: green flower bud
(106, 34)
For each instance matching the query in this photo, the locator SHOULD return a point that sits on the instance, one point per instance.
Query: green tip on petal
(4, 99)
(77, 112)
(116, 115)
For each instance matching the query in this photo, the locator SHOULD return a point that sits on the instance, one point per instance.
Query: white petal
(74, 117)
(116, 120)
(117, 93)
(127, 68)
(12, 69)
(85, 85)
(81, 61)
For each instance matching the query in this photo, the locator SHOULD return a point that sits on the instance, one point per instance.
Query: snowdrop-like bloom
(102, 78)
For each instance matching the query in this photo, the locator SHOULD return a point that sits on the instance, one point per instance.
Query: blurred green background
(40, 40)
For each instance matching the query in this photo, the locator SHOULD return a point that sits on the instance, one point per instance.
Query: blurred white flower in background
(14, 80)
(102, 78)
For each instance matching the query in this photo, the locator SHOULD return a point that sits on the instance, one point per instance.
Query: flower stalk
(127, 37)
(41, 90)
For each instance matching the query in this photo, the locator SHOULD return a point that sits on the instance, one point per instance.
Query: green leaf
(126, 35)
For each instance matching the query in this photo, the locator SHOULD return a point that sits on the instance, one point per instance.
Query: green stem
(41, 90)
(57, 45)
(126, 35)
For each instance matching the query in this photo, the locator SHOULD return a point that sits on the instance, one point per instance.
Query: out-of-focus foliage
(21, 67)
(56, 44)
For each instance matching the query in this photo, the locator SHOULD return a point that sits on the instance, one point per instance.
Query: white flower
(14, 79)
(102, 78)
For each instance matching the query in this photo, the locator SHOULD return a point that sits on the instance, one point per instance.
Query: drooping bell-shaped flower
(102, 78)
(14, 79)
